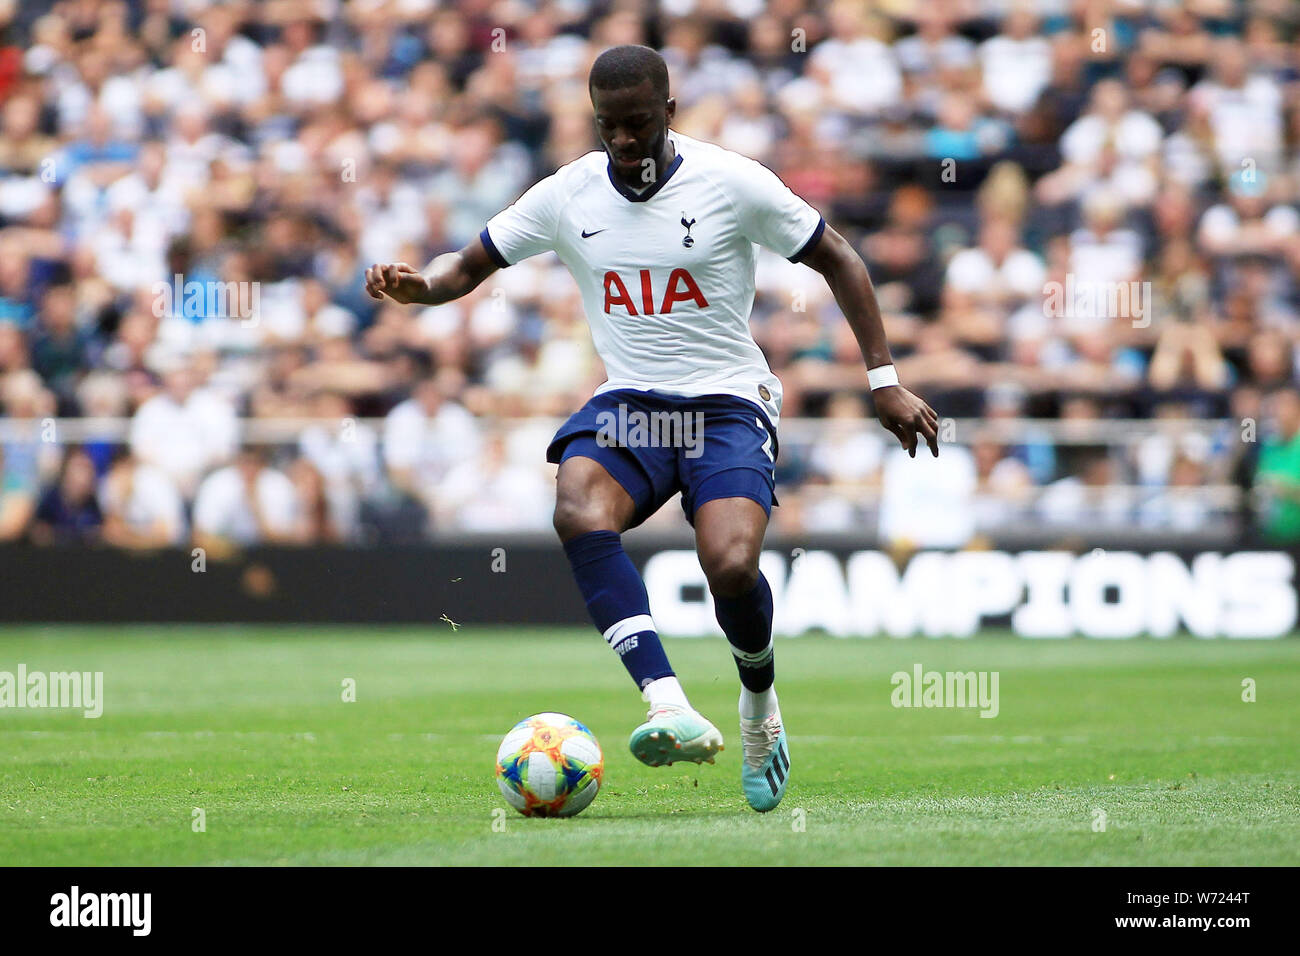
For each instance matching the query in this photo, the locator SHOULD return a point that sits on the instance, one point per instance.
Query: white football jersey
(667, 275)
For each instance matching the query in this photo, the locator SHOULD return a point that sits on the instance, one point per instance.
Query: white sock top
(757, 704)
(665, 690)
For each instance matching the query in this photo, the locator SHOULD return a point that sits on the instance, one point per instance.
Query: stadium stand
(1081, 218)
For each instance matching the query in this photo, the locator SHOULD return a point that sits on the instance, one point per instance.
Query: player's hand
(399, 281)
(907, 417)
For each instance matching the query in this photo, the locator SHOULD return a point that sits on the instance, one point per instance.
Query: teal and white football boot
(672, 734)
(765, 771)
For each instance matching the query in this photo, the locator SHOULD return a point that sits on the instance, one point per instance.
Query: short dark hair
(622, 66)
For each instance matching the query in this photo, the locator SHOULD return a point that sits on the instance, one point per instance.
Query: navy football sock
(618, 603)
(747, 622)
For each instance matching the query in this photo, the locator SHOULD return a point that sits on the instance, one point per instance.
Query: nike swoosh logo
(588, 235)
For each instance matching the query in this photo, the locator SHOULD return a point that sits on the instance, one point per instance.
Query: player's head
(629, 93)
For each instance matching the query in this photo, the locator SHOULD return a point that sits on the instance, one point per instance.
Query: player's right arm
(447, 277)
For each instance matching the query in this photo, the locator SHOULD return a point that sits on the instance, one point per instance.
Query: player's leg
(729, 539)
(592, 509)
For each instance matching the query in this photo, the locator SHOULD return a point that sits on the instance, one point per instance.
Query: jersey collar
(632, 195)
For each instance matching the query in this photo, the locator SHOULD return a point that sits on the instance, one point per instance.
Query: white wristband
(882, 377)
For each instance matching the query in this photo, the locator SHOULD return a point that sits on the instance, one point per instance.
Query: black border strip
(632, 196)
(808, 246)
(493, 252)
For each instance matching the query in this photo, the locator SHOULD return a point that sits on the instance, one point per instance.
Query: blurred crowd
(998, 164)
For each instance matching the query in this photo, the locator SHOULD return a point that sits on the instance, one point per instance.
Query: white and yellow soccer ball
(549, 765)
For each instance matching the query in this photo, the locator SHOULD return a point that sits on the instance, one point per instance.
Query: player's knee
(567, 519)
(731, 572)
(574, 516)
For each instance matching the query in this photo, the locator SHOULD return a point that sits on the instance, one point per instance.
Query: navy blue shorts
(655, 445)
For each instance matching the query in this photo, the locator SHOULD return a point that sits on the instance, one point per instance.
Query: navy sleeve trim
(493, 253)
(808, 246)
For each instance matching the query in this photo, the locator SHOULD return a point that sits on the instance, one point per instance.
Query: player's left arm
(901, 412)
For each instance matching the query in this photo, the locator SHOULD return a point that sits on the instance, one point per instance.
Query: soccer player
(659, 231)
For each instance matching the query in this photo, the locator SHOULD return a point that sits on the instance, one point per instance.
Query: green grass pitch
(249, 725)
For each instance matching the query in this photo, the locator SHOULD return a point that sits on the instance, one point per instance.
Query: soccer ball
(549, 765)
